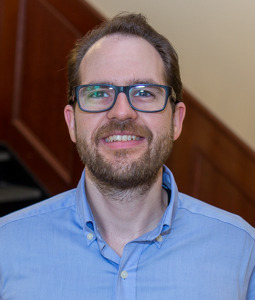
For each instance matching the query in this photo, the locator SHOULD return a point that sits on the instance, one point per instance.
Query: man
(125, 232)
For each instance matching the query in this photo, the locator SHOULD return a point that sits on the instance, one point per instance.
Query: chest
(145, 271)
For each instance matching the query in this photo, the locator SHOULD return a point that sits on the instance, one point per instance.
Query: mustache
(121, 126)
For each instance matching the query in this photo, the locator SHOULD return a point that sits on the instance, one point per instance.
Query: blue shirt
(53, 250)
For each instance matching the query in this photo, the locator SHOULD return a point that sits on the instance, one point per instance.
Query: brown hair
(126, 24)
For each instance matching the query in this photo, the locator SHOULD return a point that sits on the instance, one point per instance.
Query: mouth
(121, 138)
(123, 135)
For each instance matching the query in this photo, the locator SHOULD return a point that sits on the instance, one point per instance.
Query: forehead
(121, 59)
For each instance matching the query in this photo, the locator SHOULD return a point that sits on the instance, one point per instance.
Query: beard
(124, 173)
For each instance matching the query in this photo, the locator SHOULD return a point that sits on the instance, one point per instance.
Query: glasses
(141, 97)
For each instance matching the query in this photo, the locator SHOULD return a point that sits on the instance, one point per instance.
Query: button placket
(126, 283)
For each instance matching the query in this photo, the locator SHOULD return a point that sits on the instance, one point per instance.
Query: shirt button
(159, 238)
(124, 274)
(90, 236)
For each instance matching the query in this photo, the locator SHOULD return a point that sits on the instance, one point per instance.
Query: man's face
(144, 140)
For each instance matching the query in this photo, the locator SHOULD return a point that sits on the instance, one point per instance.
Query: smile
(121, 138)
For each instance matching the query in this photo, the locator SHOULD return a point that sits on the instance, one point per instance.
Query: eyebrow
(130, 82)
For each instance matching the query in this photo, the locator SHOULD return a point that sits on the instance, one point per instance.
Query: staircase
(18, 188)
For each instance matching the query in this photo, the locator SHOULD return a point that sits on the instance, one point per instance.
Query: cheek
(161, 123)
(87, 124)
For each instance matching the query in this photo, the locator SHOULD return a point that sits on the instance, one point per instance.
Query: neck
(123, 216)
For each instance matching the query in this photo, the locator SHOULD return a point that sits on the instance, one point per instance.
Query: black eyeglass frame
(124, 89)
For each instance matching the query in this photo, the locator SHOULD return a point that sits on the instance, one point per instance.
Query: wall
(216, 45)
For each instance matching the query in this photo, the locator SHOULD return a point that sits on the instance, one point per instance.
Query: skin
(120, 60)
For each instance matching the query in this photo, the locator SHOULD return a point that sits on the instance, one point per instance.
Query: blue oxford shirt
(53, 250)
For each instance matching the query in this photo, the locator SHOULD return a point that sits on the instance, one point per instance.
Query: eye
(98, 94)
(143, 93)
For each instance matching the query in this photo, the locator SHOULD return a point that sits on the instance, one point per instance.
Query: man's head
(122, 148)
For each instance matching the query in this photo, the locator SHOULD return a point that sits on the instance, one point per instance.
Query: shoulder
(50, 206)
(215, 216)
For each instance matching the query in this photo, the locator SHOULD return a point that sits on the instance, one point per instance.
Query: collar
(158, 234)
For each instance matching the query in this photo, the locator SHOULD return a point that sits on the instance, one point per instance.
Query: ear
(178, 117)
(70, 121)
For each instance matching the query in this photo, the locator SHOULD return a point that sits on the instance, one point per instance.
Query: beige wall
(216, 45)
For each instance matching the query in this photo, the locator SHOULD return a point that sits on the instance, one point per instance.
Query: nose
(122, 109)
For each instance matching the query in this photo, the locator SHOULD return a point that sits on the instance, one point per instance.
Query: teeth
(121, 138)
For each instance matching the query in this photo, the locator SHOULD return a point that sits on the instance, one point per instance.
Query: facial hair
(124, 172)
